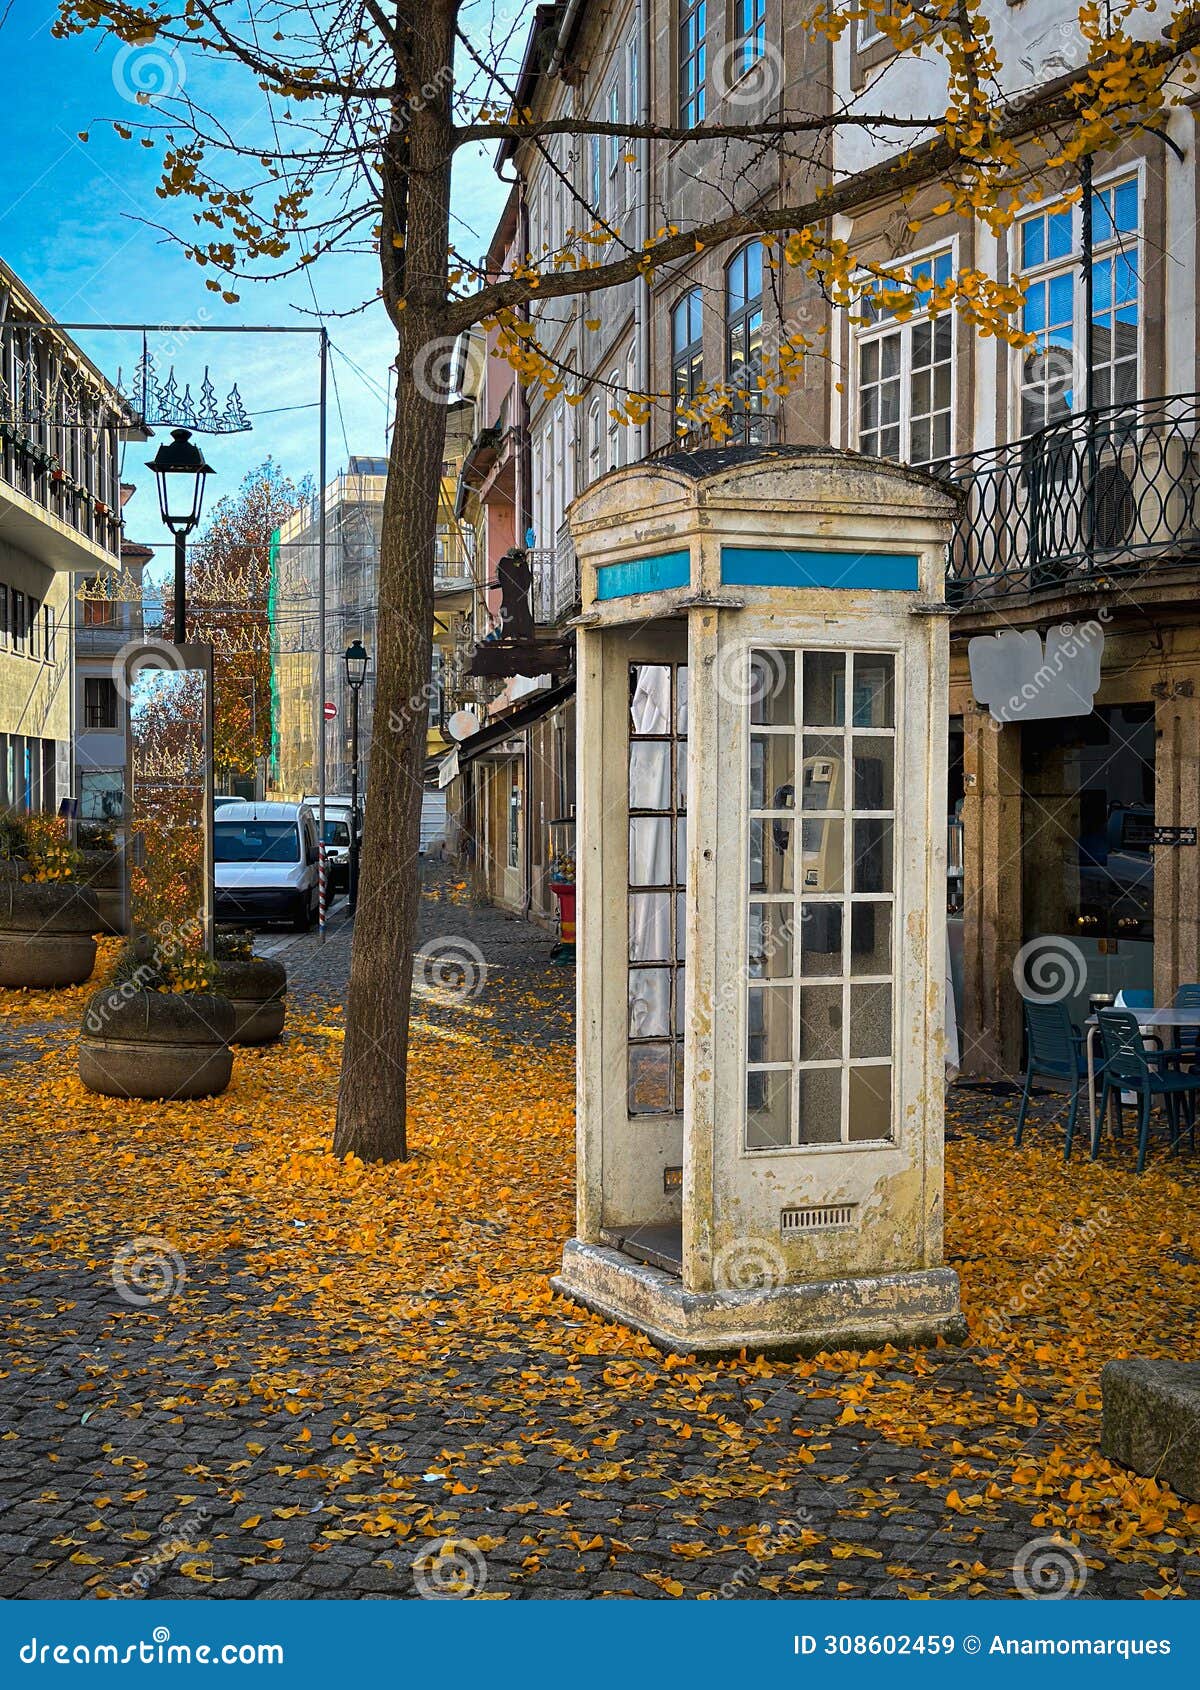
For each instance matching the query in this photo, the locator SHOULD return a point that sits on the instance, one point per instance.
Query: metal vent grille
(824, 1218)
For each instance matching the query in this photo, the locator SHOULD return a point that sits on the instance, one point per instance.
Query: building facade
(1075, 452)
(107, 617)
(61, 424)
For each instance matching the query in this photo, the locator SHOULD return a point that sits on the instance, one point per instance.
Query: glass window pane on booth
(680, 926)
(650, 698)
(772, 859)
(821, 1024)
(822, 851)
(650, 1091)
(820, 940)
(769, 942)
(772, 688)
(870, 1103)
(824, 689)
(772, 772)
(650, 927)
(649, 1003)
(819, 1106)
(650, 774)
(874, 772)
(871, 939)
(874, 690)
(681, 700)
(768, 1110)
(871, 1020)
(650, 862)
(873, 856)
(821, 785)
(769, 1024)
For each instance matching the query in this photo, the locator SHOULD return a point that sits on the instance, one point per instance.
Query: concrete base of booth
(894, 1308)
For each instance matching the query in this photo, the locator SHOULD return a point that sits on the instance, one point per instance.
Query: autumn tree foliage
(229, 582)
(368, 106)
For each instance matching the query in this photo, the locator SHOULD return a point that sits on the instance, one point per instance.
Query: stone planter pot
(255, 989)
(101, 874)
(166, 1045)
(47, 933)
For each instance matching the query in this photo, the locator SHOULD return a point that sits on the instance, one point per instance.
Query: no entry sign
(330, 710)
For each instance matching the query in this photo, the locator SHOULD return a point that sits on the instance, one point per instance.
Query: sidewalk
(237, 1368)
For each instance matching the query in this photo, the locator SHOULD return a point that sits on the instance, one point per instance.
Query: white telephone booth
(762, 666)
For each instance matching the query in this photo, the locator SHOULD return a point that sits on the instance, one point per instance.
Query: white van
(338, 822)
(265, 863)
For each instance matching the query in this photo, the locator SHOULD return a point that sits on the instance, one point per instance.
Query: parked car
(265, 858)
(338, 821)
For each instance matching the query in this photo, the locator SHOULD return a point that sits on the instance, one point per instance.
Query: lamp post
(356, 661)
(180, 471)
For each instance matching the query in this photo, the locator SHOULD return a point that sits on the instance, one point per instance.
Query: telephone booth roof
(716, 524)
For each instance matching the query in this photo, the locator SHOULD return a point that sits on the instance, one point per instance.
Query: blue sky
(75, 226)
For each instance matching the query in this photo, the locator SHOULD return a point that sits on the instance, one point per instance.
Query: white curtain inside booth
(651, 853)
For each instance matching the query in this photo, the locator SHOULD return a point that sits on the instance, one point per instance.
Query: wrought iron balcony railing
(555, 581)
(1097, 495)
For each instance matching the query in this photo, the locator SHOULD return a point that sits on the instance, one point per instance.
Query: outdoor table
(1168, 1016)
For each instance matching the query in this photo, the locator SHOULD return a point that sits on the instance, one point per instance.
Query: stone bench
(1152, 1420)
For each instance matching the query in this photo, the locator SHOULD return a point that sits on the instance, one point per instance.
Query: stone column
(991, 1032)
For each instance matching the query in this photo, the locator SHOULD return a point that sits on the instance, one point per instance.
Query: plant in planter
(158, 1029)
(48, 919)
(254, 985)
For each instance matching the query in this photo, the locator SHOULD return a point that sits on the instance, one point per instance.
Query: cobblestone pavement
(83, 1486)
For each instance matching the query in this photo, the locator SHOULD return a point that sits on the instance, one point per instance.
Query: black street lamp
(180, 470)
(356, 661)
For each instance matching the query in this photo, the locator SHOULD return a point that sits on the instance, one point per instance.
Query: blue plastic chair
(1054, 1050)
(1136, 997)
(1127, 1067)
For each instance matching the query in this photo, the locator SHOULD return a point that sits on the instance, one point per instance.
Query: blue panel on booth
(643, 575)
(897, 572)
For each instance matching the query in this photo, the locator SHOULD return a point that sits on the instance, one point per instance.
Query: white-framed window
(693, 67)
(870, 28)
(749, 33)
(633, 433)
(821, 848)
(614, 421)
(687, 349)
(595, 176)
(1051, 372)
(905, 370)
(614, 141)
(743, 326)
(633, 113)
(595, 467)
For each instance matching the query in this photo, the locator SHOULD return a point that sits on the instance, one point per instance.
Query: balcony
(745, 428)
(555, 593)
(1104, 495)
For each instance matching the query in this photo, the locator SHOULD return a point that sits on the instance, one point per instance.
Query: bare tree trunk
(371, 1121)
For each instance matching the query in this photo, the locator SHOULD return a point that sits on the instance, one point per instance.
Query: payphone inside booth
(762, 669)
